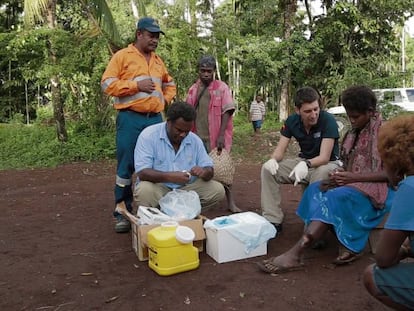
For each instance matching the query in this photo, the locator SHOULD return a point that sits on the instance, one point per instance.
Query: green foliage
(389, 111)
(351, 43)
(358, 45)
(24, 146)
(44, 115)
(81, 81)
(10, 14)
(180, 53)
(80, 71)
(17, 118)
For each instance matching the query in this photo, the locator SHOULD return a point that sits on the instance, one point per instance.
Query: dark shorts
(397, 282)
(257, 124)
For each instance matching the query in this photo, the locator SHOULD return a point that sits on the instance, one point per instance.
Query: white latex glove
(272, 166)
(300, 171)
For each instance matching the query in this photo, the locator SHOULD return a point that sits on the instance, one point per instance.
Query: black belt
(145, 114)
(148, 114)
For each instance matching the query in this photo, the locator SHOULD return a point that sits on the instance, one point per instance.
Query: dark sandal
(269, 267)
(346, 256)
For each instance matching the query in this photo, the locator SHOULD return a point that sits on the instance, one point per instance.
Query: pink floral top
(360, 155)
(221, 101)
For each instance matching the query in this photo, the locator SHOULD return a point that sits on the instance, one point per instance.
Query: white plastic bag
(181, 204)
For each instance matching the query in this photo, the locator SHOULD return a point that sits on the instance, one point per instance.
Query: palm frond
(93, 31)
(34, 11)
(140, 5)
(100, 15)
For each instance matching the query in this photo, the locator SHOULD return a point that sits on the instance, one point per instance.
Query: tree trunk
(26, 96)
(58, 112)
(290, 7)
(284, 101)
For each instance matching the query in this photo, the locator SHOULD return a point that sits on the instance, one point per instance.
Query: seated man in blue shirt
(317, 133)
(169, 156)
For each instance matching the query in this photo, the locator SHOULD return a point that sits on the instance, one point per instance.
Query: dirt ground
(58, 251)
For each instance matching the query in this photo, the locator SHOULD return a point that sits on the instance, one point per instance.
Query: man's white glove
(300, 171)
(272, 166)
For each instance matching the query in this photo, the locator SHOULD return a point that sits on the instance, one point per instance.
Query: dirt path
(58, 251)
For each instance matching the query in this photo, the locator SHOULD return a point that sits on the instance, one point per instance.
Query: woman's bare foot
(281, 264)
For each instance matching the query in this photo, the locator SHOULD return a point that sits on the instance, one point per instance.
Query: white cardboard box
(224, 247)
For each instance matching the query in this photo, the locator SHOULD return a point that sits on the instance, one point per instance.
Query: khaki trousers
(270, 185)
(149, 194)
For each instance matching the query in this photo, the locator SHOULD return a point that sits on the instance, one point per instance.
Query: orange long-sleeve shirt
(125, 69)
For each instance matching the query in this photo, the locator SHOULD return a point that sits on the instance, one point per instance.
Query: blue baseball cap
(149, 24)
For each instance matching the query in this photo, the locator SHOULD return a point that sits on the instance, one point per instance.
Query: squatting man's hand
(182, 177)
(272, 166)
(300, 171)
(198, 171)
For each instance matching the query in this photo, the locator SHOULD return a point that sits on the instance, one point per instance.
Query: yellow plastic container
(166, 254)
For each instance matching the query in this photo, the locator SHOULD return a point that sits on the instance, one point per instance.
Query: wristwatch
(308, 163)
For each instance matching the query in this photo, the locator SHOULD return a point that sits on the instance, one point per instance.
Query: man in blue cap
(141, 86)
(149, 24)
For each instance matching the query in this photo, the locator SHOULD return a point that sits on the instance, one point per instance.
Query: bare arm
(325, 152)
(281, 147)
(155, 176)
(224, 120)
(177, 177)
(344, 177)
(263, 111)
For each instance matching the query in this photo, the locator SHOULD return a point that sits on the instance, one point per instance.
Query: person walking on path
(139, 81)
(257, 113)
(316, 132)
(214, 104)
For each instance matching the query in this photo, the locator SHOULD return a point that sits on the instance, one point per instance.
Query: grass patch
(32, 146)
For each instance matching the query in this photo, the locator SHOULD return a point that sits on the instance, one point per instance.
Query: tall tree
(289, 7)
(39, 10)
(44, 12)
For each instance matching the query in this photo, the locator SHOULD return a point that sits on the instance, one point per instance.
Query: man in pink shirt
(214, 104)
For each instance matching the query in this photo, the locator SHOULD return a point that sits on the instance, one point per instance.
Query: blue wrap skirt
(348, 210)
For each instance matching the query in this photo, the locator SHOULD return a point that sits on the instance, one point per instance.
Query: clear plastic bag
(181, 204)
